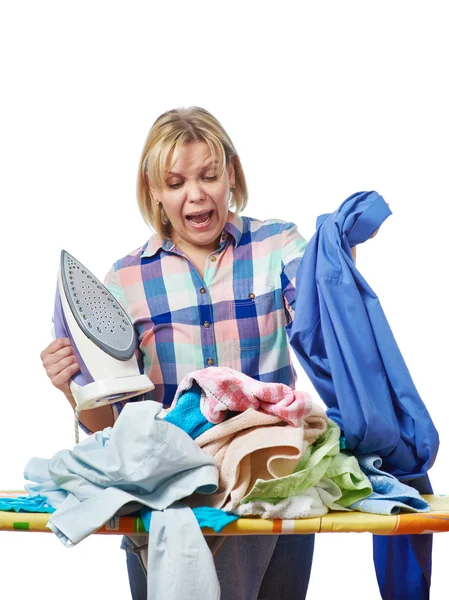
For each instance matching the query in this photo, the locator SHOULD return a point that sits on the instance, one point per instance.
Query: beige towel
(251, 446)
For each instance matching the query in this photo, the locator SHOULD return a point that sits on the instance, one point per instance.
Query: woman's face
(195, 197)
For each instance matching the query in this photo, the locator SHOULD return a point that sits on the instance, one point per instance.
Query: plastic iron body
(102, 336)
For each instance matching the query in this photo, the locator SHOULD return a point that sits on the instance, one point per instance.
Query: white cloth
(312, 502)
(146, 461)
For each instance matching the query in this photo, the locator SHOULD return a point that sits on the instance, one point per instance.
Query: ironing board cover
(435, 521)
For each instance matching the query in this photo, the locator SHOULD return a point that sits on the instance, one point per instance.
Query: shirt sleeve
(293, 247)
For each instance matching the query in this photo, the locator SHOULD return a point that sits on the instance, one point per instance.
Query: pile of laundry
(229, 446)
(277, 453)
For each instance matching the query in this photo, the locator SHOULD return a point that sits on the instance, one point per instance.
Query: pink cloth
(225, 389)
(252, 446)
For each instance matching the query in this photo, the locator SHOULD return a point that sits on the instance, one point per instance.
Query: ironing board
(435, 521)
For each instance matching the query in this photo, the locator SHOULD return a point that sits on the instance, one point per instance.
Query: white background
(322, 99)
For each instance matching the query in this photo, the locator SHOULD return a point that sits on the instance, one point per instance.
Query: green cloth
(344, 470)
(307, 473)
(321, 459)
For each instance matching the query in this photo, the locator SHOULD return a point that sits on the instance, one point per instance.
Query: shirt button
(251, 296)
(213, 258)
(223, 237)
(206, 324)
(202, 290)
(210, 361)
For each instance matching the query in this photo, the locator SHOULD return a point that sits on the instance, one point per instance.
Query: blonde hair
(168, 134)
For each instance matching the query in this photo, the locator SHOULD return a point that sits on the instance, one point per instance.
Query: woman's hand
(60, 363)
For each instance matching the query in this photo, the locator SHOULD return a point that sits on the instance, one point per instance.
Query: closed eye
(177, 184)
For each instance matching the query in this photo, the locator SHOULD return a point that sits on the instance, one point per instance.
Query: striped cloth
(233, 317)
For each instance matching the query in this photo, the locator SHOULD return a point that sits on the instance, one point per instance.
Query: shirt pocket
(256, 319)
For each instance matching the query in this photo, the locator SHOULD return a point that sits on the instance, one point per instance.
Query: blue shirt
(342, 339)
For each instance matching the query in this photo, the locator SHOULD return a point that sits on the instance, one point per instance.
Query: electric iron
(102, 337)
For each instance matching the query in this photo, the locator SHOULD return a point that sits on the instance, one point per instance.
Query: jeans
(288, 573)
(137, 577)
(248, 567)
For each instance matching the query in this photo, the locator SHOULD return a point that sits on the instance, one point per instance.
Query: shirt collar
(234, 227)
(153, 245)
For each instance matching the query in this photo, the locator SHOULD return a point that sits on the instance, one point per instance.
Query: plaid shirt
(233, 317)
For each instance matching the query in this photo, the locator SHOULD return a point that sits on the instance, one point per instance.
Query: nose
(195, 193)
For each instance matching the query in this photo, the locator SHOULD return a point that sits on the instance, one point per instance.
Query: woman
(209, 288)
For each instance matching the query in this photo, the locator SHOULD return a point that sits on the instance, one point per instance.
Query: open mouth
(201, 218)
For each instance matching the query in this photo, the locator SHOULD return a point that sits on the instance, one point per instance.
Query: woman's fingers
(54, 346)
(60, 363)
(49, 359)
(61, 379)
(54, 368)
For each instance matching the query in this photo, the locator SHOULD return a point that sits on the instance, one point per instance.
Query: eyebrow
(202, 170)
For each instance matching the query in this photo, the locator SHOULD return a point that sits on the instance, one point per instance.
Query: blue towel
(206, 516)
(26, 504)
(187, 414)
(390, 496)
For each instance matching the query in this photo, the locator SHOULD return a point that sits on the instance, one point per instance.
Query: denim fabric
(136, 572)
(288, 574)
(248, 567)
(241, 563)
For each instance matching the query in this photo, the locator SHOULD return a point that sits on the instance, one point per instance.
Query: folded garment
(389, 496)
(224, 389)
(254, 445)
(35, 503)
